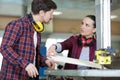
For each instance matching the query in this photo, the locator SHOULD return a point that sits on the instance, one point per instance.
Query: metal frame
(103, 23)
(84, 73)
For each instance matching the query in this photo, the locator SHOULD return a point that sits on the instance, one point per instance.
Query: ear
(94, 30)
(41, 12)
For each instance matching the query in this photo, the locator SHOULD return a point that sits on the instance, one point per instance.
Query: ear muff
(38, 26)
(82, 41)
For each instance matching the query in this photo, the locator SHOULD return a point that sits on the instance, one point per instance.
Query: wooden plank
(75, 61)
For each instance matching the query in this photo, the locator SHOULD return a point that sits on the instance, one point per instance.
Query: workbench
(83, 73)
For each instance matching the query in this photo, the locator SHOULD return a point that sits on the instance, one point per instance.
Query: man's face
(48, 16)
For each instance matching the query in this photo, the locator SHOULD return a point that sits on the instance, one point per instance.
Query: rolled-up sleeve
(59, 47)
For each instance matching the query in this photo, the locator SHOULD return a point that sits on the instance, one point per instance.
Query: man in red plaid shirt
(21, 44)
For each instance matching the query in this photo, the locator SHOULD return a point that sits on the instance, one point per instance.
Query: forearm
(13, 57)
(41, 61)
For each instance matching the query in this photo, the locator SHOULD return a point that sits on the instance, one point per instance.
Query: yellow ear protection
(38, 26)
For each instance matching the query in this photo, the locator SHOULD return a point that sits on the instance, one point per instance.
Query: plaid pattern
(17, 49)
(74, 48)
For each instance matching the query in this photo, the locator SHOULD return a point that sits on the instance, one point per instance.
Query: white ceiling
(71, 9)
(77, 9)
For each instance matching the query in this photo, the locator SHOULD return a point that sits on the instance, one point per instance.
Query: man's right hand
(31, 70)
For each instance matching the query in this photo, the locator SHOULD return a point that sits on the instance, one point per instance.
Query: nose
(82, 26)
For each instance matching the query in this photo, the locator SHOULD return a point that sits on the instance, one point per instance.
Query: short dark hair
(45, 5)
(93, 18)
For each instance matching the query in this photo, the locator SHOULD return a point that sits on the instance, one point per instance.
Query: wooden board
(75, 61)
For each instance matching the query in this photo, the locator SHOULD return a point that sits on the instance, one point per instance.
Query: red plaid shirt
(18, 50)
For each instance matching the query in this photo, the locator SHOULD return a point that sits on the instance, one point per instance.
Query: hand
(31, 70)
(50, 64)
(51, 51)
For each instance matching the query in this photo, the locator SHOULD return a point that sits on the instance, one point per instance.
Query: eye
(87, 25)
(82, 23)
